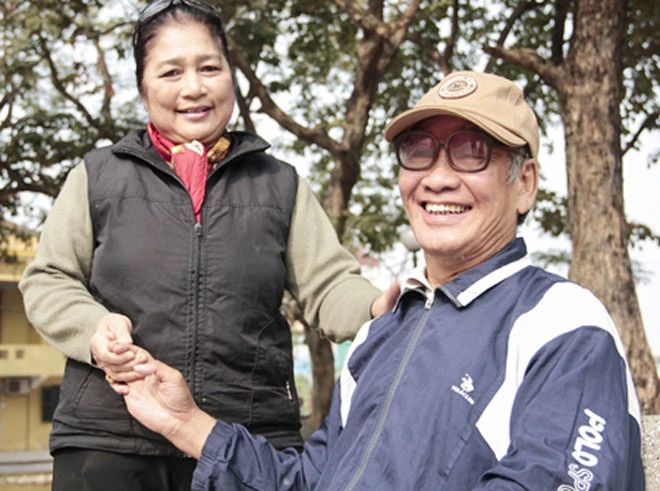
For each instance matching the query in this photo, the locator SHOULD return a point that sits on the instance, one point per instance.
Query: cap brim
(412, 116)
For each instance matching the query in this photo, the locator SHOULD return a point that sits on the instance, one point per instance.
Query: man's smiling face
(462, 218)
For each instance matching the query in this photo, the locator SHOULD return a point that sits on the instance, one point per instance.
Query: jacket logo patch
(467, 386)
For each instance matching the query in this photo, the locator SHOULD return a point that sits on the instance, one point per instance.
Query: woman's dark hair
(158, 13)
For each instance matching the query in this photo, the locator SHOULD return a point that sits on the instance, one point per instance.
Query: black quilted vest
(203, 298)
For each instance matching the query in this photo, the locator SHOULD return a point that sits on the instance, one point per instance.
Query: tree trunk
(590, 96)
(343, 178)
(345, 174)
(378, 44)
(323, 376)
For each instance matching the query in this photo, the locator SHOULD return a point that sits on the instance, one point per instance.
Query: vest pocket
(275, 399)
(88, 402)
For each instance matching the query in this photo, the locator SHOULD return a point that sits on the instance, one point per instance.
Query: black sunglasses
(154, 9)
(467, 151)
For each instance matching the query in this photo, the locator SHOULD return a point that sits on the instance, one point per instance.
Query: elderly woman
(181, 238)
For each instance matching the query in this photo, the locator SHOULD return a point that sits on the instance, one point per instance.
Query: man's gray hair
(517, 159)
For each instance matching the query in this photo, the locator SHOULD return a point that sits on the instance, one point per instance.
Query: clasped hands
(155, 394)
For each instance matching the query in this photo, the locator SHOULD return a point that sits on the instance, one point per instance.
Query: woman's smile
(188, 85)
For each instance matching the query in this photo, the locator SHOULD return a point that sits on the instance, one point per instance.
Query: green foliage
(551, 257)
(641, 70)
(55, 103)
(550, 211)
(376, 219)
(640, 233)
(254, 26)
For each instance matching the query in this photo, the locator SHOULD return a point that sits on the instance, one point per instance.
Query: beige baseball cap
(493, 103)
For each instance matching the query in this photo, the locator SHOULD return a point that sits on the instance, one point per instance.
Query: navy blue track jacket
(506, 378)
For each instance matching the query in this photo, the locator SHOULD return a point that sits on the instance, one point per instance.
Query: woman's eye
(170, 73)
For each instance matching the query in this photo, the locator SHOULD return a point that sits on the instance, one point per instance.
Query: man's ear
(528, 180)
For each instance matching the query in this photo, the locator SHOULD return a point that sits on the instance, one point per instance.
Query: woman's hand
(113, 350)
(386, 300)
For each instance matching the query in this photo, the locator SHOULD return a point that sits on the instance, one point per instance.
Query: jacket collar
(466, 287)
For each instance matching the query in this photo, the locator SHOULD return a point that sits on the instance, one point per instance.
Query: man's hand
(162, 402)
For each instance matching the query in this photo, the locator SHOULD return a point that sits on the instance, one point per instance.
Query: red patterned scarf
(191, 162)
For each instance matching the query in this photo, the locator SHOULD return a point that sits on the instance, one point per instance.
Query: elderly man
(489, 373)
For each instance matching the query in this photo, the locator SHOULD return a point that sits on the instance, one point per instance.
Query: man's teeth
(445, 209)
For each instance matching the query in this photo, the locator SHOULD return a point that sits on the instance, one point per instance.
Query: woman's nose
(193, 84)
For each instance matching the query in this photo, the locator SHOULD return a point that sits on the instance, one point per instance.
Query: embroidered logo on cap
(457, 87)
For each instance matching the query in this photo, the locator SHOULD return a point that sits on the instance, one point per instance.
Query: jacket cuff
(212, 455)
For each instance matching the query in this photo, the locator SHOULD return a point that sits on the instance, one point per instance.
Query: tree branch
(398, 28)
(8, 100)
(561, 13)
(445, 63)
(516, 14)
(16, 187)
(649, 122)
(440, 59)
(108, 90)
(106, 77)
(375, 55)
(244, 111)
(317, 135)
(57, 83)
(530, 60)
(363, 18)
(397, 33)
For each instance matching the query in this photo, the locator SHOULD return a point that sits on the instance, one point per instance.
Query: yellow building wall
(14, 326)
(23, 353)
(21, 425)
(38, 431)
(13, 423)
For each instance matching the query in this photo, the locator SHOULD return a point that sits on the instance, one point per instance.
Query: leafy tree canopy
(66, 87)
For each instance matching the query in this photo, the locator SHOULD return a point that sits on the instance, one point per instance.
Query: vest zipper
(195, 307)
(390, 394)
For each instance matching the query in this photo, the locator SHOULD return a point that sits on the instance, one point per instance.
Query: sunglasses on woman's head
(154, 9)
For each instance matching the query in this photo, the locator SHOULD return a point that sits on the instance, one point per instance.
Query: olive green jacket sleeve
(323, 276)
(57, 301)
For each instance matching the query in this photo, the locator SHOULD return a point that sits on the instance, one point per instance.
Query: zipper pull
(198, 229)
(429, 301)
(288, 390)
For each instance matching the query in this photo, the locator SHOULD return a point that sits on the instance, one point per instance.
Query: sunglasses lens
(469, 151)
(415, 150)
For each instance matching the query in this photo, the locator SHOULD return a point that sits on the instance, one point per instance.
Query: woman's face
(187, 84)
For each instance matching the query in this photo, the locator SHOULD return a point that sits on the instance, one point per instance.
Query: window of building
(49, 396)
